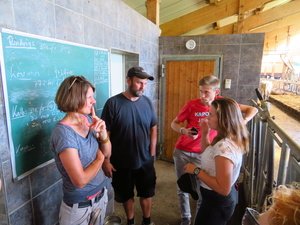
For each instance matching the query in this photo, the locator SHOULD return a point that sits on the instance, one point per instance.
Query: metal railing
(261, 174)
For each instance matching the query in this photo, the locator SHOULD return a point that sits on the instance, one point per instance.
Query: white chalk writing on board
(15, 74)
(18, 112)
(37, 116)
(62, 73)
(20, 43)
(100, 68)
(23, 149)
(47, 47)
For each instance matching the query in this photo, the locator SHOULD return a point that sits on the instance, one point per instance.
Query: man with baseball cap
(139, 72)
(132, 125)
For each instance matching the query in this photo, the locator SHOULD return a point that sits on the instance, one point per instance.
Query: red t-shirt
(193, 112)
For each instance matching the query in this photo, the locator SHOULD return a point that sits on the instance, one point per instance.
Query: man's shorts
(124, 181)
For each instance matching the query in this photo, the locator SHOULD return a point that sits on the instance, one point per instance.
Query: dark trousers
(216, 209)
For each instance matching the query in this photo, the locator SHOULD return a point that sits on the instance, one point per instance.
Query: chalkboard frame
(105, 52)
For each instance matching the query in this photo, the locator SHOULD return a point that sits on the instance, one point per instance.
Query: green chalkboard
(32, 68)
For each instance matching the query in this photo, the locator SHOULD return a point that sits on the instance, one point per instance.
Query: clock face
(190, 44)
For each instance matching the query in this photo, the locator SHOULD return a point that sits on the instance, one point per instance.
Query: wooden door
(182, 79)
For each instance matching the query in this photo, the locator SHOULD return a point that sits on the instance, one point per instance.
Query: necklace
(78, 122)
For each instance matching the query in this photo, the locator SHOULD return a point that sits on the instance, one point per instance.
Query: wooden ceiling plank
(179, 8)
(282, 23)
(200, 17)
(153, 11)
(271, 15)
(283, 32)
(280, 36)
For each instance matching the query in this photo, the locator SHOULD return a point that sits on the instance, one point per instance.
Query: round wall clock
(190, 44)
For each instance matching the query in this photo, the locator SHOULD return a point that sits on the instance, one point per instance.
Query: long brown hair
(231, 123)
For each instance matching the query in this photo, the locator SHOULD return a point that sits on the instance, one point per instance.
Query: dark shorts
(143, 179)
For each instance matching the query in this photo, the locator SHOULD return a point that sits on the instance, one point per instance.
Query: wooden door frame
(162, 89)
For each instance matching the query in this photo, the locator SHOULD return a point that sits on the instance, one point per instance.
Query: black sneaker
(186, 221)
(147, 224)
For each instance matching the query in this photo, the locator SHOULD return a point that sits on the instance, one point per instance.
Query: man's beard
(135, 93)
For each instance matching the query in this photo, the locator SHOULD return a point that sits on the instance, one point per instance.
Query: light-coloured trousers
(90, 215)
(181, 158)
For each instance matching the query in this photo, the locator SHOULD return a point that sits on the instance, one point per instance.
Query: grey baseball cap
(139, 72)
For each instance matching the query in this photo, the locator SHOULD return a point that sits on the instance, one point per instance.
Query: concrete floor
(165, 210)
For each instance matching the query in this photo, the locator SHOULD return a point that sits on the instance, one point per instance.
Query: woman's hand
(189, 168)
(204, 126)
(98, 126)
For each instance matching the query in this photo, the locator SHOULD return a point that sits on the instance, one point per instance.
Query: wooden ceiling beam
(206, 15)
(152, 7)
(246, 9)
(211, 14)
(214, 1)
(278, 24)
(223, 30)
(270, 16)
(247, 5)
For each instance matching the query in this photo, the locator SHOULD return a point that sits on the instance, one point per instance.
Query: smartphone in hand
(194, 131)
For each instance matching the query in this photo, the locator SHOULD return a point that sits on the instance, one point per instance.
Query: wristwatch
(197, 171)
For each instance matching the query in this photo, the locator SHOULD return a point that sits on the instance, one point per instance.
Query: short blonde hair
(285, 209)
(71, 94)
(210, 80)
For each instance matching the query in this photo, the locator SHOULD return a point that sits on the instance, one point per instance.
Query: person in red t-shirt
(187, 148)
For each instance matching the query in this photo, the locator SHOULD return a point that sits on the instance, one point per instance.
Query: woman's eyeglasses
(250, 217)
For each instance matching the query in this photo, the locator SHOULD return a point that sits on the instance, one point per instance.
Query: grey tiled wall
(101, 23)
(241, 54)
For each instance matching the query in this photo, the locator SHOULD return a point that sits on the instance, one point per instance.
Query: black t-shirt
(129, 124)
